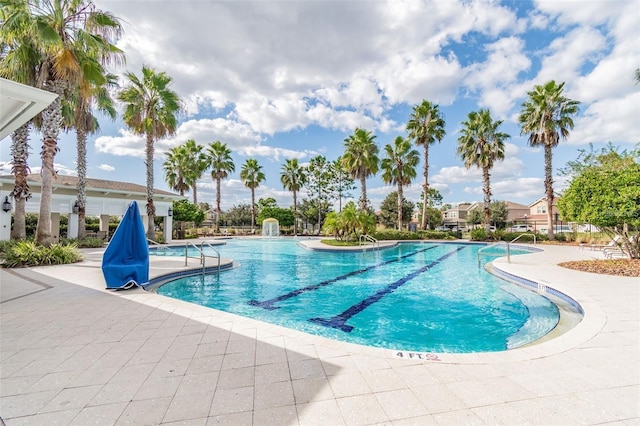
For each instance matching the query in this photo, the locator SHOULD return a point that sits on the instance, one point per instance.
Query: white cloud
(106, 167)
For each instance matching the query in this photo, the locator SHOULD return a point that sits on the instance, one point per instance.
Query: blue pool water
(425, 297)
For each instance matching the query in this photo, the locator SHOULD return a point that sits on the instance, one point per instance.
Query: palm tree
(425, 126)
(545, 117)
(481, 145)
(360, 160)
(399, 167)
(72, 41)
(150, 110)
(18, 62)
(176, 166)
(293, 179)
(252, 175)
(221, 164)
(80, 117)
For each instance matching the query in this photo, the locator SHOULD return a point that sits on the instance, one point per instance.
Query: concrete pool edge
(592, 322)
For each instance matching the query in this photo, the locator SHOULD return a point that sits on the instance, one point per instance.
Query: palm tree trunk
(151, 208)
(548, 186)
(425, 186)
(218, 204)
(400, 196)
(253, 208)
(81, 147)
(363, 200)
(487, 197)
(20, 170)
(51, 123)
(295, 215)
(195, 195)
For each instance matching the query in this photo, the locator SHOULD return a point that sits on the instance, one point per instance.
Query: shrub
(479, 234)
(88, 242)
(28, 253)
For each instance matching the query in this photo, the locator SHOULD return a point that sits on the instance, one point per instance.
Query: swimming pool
(428, 297)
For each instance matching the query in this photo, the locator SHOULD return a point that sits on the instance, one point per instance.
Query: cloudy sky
(292, 79)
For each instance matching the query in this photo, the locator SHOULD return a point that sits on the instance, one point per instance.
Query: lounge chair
(613, 243)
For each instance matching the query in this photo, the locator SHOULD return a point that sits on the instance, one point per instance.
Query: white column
(168, 227)
(72, 226)
(5, 221)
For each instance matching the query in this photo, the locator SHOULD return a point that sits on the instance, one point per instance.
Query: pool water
(426, 297)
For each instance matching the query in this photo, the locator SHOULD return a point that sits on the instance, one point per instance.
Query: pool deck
(73, 353)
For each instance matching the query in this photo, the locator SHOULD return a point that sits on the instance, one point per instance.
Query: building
(104, 198)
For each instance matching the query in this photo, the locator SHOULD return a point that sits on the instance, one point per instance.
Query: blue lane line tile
(269, 304)
(339, 321)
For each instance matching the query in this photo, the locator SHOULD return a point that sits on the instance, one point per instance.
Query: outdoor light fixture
(75, 208)
(6, 206)
(170, 212)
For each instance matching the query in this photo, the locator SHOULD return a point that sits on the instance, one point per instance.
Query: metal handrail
(203, 255)
(369, 238)
(508, 245)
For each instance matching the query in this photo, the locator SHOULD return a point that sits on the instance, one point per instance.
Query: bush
(394, 234)
(88, 242)
(479, 234)
(28, 253)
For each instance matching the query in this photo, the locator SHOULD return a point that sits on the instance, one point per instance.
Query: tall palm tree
(399, 167)
(221, 164)
(293, 179)
(18, 62)
(151, 108)
(481, 145)
(199, 164)
(73, 40)
(252, 175)
(425, 127)
(546, 116)
(79, 105)
(176, 166)
(360, 160)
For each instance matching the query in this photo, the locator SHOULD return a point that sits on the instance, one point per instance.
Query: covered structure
(104, 198)
(19, 103)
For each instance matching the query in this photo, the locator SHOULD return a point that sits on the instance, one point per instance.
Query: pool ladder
(508, 246)
(203, 255)
(364, 239)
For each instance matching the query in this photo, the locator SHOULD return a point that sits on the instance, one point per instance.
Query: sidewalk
(72, 353)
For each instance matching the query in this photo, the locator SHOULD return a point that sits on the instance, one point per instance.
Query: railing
(203, 255)
(508, 246)
(368, 238)
(153, 242)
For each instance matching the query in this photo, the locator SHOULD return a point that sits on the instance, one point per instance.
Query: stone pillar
(5, 221)
(168, 227)
(72, 226)
(55, 227)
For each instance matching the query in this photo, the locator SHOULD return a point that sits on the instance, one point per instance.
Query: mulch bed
(619, 267)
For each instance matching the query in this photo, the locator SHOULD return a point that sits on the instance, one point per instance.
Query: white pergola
(19, 103)
(104, 198)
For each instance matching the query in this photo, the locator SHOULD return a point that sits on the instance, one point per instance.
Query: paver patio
(72, 353)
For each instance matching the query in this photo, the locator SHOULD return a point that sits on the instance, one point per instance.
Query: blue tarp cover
(125, 262)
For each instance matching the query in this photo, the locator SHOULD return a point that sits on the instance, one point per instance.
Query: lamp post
(170, 212)
(525, 222)
(76, 208)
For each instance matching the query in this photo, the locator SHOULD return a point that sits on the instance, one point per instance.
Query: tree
(284, 216)
(425, 127)
(252, 175)
(150, 110)
(604, 192)
(239, 215)
(18, 62)
(318, 183)
(184, 166)
(80, 103)
(185, 211)
(221, 165)
(389, 210)
(343, 182)
(399, 167)
(475, 217)
(481, 144)
(360, 160)
(434, 217)
(70, 41)
(293, 178)
(546, 116)
(349, 224)
(499, 213)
